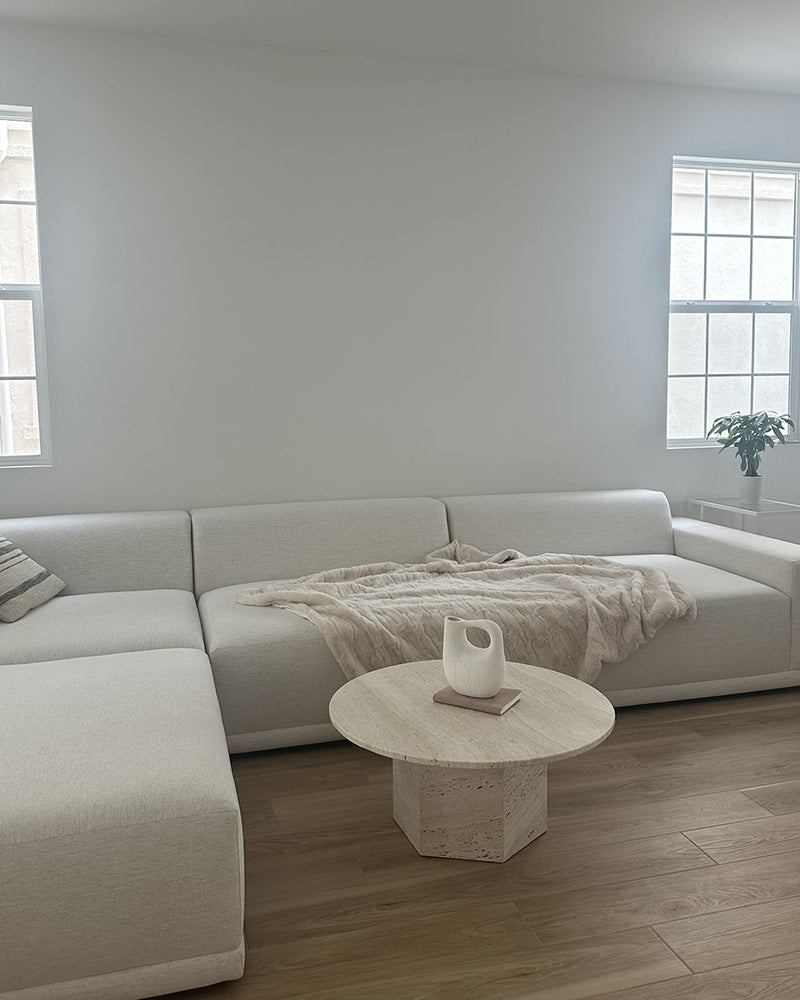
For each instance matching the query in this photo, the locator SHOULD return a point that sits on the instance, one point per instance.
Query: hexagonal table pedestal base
(481, 814)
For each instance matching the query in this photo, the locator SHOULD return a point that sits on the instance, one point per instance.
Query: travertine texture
(466, 784)
(450, 812)
(391, 712)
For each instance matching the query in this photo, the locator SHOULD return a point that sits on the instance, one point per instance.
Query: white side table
(751, 517)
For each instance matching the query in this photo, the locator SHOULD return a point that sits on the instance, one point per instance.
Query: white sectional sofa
(112, 748)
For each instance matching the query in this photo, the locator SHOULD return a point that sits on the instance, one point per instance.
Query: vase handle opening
(492, 629)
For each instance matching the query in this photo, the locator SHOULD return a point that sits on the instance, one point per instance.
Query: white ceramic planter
(750, 490)
(472, 670)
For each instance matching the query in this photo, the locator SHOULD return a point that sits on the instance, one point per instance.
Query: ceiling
(723, 43)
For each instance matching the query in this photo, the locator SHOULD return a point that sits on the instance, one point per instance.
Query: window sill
(25, 462)
(702, 443)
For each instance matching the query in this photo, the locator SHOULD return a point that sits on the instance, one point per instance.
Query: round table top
(391, 712)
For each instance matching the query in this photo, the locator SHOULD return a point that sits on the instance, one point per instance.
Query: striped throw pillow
(24, 584)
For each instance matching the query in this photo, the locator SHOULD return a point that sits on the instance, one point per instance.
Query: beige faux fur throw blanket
(568, 613)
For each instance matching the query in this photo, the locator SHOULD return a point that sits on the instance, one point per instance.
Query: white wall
(365, 282)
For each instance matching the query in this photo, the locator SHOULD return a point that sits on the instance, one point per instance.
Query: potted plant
(750, 434)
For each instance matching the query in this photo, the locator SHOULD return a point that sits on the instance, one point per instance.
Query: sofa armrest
(770, 561)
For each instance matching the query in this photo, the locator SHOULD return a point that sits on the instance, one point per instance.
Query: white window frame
(751, 306)
(32, 294)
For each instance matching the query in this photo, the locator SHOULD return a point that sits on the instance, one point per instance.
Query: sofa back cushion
(100, 553)
(600, 523)
(278, 541)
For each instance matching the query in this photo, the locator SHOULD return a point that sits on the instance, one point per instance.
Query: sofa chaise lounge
(121, 871)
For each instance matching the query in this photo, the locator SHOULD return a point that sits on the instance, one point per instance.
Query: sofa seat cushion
(120, 835)
(93, 624)
(272, 668)
(741, 629)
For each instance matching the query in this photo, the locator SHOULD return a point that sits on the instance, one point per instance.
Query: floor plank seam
(666, 944)
(655, 982)
(699, 848)
(757, 857)
(767, 785)
(732, 822)
(723, 968)
(555, 814)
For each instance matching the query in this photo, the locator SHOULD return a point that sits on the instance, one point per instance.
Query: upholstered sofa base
(147, 981)
(704, 689)
(274, 739)
(325, 733)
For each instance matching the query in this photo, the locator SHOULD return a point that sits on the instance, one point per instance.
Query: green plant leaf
(750, 434)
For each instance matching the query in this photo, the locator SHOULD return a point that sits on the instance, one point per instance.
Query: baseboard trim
(297, 736)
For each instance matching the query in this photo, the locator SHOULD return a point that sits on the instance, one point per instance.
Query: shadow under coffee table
(467, 784)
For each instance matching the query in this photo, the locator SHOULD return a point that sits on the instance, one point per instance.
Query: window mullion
(705, 382)
(705, 234)
(12, 292)
(750, 286)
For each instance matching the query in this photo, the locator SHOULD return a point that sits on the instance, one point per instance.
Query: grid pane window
(733, 293)
(24, 435)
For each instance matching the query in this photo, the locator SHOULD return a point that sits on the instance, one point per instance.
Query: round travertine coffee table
(468, 784)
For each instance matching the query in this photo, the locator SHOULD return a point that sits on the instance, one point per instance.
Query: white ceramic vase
(472, 670)
(750, 490)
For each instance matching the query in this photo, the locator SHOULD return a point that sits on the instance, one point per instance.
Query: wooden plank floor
(671, 869)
